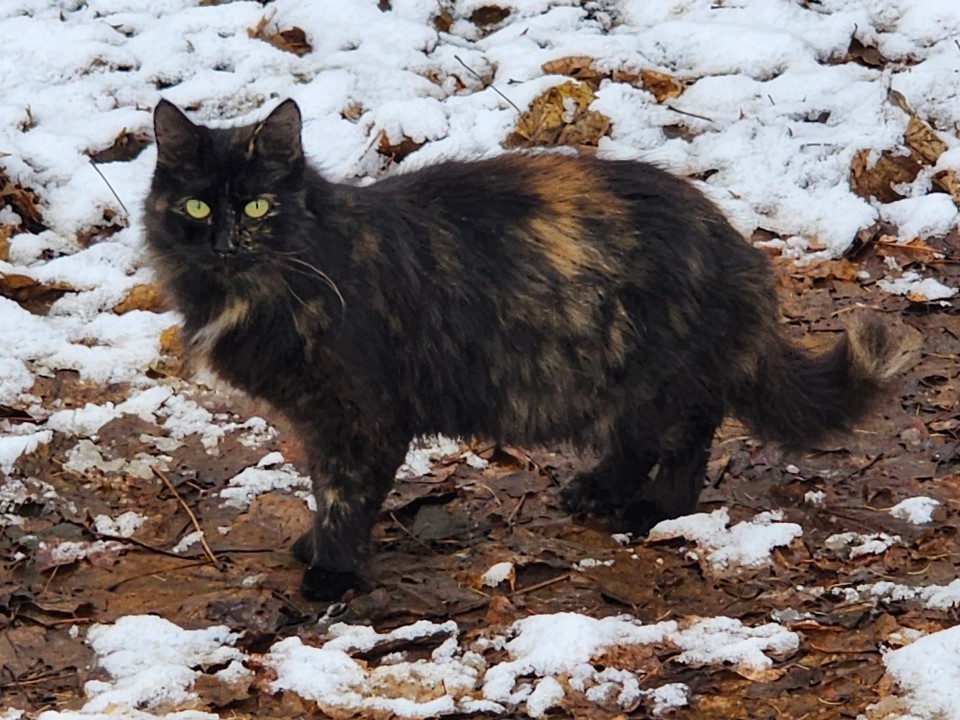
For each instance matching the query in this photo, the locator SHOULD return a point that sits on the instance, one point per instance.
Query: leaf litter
(101, 468)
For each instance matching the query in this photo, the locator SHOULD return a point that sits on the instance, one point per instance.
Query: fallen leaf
(397, 151)
(487, 15)
(661, 85)
(877, 180)
(579, 67)
(922, 139)
(293, 40)
(560, 116)
(140, 297)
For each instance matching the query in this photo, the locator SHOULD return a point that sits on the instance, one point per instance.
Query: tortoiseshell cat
(529, 298)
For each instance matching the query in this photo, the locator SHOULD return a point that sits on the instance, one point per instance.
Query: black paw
(303, 550)
(638, 517)
(323, 585)
(583, 497)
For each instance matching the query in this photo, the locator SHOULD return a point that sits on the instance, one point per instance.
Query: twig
(690, 114)
(193, 518)
(545, 583)
(516, 509)
(491, 86)
(118, 583)
(407, 531)
(103, 177)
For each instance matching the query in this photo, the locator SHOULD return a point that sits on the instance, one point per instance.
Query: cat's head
(223, 199)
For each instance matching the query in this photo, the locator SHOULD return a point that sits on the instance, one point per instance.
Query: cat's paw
(637, 517)
(583, 497)
(323, 585)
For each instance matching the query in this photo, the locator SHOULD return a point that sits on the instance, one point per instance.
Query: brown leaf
(22, 200)
(904, 253)
(864, 55)
(560, 116)
(579, 67)
(489, 15)
(141, 297)
(126, 146)
(922, 139)
(660, 85)
(948, 182)
(397, 151)
(30, 293)
(6, 232)
(293, 40)
(878, 180)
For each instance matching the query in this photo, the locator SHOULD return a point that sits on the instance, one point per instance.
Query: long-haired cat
(528, 298)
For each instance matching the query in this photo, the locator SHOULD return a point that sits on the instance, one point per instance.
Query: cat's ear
(277, 139)
(178, 139)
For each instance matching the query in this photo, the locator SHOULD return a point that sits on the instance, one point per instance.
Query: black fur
(527, 298)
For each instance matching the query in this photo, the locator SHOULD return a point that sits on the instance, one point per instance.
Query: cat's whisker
(319, 273)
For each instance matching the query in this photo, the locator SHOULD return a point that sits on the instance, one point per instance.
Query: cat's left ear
(277, 139)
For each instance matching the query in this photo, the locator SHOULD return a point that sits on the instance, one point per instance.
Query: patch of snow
(424, 452)
(860, 544)
(746, 543)
(917, 287)
(187, 541)
(814, 497)
(123, 526)
(497, 573)
(12, 446)
(916, 510)
(151, 661)
(252, 482)
(928, 673)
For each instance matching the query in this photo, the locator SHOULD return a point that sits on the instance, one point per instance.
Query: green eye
(197, 209)
(257, 208)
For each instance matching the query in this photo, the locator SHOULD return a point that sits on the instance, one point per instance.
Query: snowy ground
(769, 105)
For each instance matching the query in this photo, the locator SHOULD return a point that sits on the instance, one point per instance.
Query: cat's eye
(257, 208)
(197, 209)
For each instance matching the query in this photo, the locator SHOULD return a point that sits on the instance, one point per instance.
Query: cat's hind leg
(674, 484)
(606, 488)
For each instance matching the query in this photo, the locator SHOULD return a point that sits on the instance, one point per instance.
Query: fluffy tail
(798, 398)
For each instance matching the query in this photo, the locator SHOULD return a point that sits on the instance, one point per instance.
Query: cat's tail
(799, 398)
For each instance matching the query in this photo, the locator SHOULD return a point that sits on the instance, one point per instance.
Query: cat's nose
(224, 245)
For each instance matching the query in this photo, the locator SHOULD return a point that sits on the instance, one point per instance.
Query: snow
(917, 510)
(497, 573)
(928, 670)
(745, 544)
(780, 118)
(152, 663)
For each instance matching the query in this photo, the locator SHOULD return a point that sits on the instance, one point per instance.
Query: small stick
(193, 518)
(103, 177)
(492, 87)
(407, 531)
(545, 583)
(690, 114)
(513, 513)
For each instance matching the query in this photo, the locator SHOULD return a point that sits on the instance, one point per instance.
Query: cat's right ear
(178, 139)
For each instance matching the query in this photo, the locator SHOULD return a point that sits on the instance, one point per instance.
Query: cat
(528, 298)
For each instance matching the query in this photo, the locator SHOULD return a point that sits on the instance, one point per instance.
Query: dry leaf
(560, 116)
(878, 180)
(660, 85)
(904, 253)
(6, 232)
(579, 67)
(141, 297)
(126, 146)
(948, 182)
(293, 40)
(23, 202)
(489, 15)
(922, 139)
(396, 152)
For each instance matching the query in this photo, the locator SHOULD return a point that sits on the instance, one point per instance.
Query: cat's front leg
(335, 550)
